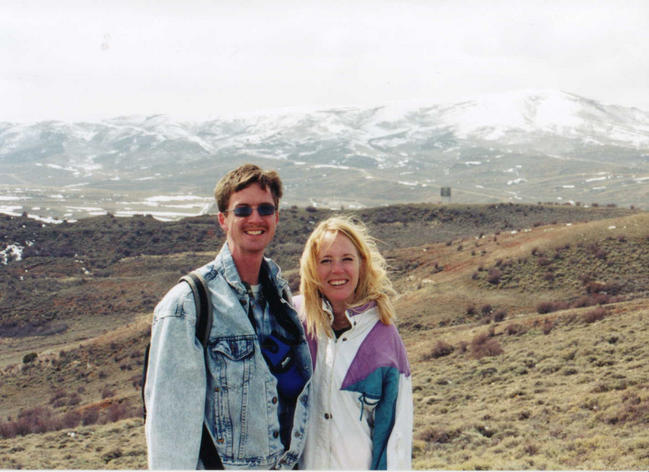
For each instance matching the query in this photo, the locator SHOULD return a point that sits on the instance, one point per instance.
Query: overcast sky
(196, 59)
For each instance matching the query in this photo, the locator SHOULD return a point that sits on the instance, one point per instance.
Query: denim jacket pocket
(233, 367)
(235, 347)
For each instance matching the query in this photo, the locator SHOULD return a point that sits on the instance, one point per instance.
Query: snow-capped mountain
(525, 145)
(523, 115)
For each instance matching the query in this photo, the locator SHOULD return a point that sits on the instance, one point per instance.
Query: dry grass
(569, 389)
(100, 372)
(112, 446)
(573, 398)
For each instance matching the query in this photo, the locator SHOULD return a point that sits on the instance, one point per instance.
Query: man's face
(249, 235)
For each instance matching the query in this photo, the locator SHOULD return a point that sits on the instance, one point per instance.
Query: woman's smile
(338, 270)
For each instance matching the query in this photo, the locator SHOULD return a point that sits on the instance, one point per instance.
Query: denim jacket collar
(225, 264)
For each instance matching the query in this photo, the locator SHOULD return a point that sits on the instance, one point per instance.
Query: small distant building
(445, 192)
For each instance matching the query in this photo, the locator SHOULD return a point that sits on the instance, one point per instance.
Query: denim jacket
(237, 399)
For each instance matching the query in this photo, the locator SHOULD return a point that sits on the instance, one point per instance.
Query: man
(254, 409)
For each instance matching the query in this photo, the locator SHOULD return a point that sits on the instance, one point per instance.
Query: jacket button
(344, 339)
(217, 389)
(275, 434)
(327, 416)
(298, 434)
(274, 400)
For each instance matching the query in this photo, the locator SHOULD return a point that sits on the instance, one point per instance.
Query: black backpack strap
(276, 305)
(208, 454)
(203, 306)
(145, 367)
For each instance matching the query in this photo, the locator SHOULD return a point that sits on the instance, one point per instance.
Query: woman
(361, 410)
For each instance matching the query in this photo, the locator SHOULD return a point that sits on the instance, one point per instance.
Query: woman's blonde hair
(373, 282)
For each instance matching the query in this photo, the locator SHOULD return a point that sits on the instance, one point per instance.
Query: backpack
(208, 454)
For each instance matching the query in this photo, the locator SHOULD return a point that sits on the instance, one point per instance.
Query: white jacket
(361, 406)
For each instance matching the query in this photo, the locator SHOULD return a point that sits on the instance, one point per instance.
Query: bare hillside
(525, 327)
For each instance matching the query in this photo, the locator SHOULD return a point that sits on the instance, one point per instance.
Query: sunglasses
(242, 211)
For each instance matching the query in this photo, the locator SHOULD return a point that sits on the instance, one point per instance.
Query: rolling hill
(525, 327)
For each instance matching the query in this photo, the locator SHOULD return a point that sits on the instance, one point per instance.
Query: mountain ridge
(524, 146)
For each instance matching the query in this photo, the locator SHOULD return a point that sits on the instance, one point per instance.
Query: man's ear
(221, 218)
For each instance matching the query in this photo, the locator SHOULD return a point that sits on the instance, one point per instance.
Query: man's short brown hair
(242, 177)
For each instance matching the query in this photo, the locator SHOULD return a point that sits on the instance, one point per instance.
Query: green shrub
(71, 419)
(547, 326)
(597, 314)
(548, 307)
(483, 345)
(494, 275)
(441, 349)
(486, 309)
(499, 315)
(90, 416)
(514, 329)
(27, 358)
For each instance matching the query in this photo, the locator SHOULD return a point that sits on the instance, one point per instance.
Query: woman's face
(338, 266)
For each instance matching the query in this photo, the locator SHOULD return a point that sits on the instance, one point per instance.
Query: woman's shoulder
(298, 303)
(383, 341)
(385, 334)
(381, 350)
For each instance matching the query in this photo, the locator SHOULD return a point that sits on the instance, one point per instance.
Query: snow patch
(516, 181)
(330, 166)
(11, 252)
(158, 215)
(175, 198)
(12, 198)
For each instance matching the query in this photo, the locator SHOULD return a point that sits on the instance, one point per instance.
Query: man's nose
(255, 216)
